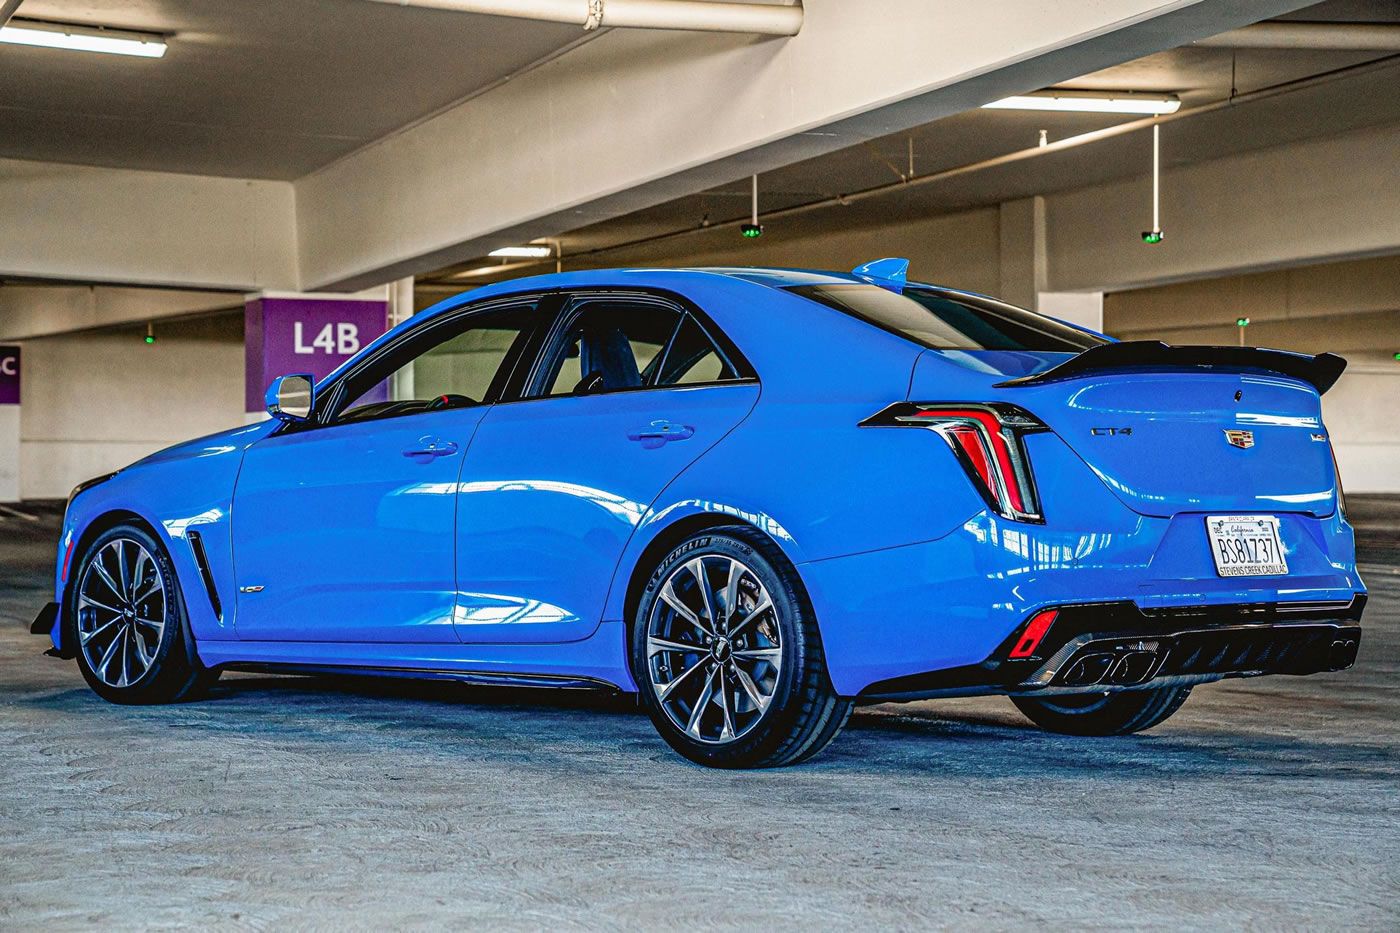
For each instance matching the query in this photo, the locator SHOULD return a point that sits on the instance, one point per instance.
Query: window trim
(531, 390)
(967, 299)
(330, 395)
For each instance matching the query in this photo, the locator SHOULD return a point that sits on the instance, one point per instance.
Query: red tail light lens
(987, 440)
(1033, 635)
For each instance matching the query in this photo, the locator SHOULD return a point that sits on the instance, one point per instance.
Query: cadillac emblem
(1241, 439)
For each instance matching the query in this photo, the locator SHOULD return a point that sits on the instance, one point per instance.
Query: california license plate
(1246, 545)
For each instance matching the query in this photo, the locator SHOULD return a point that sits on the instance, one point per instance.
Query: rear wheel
(129, 622)
(727, 656)
(1117, 713)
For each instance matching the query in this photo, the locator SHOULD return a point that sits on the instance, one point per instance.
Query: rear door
(628, 391)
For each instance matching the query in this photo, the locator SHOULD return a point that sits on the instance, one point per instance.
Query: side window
(609, 345)
(693, 358)
(449, 365)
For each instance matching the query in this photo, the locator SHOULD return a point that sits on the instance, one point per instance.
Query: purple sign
(304, 335)
(9, 375)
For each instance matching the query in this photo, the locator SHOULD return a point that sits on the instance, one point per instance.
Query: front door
(344, 528)
(629, 392)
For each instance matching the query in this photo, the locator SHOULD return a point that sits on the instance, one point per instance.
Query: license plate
(1246, 545)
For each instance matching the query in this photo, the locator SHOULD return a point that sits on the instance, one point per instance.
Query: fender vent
(202, 562)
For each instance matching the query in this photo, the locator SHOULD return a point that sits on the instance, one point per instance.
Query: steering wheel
(451, 401)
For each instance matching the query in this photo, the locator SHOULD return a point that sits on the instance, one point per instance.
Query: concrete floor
(317, 803)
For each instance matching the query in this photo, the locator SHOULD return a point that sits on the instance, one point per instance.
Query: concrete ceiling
(1198, 75)
(250, 89)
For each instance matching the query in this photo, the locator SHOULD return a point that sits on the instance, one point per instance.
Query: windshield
(942, 320)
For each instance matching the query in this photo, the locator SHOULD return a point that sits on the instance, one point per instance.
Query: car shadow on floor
(915, 740)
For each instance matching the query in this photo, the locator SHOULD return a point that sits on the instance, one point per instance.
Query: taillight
(987, 440)
(1341, 494)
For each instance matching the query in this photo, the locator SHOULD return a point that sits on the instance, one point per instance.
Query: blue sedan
(755, 498)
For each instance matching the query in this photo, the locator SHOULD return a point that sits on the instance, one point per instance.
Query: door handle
(659, 432)
(431, 447)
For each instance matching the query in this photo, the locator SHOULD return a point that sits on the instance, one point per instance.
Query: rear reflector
(1034, 634)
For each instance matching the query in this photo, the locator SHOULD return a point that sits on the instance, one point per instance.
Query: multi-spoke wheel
(121, 612)
(727, 655)
(128, 621)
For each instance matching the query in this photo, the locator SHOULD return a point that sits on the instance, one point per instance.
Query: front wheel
(1117, 713)
(129, 622)
(727, 656)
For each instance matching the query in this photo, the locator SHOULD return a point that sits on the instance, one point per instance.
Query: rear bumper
(1094, 647)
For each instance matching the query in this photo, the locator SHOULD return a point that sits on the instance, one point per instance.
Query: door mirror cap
(291, 398)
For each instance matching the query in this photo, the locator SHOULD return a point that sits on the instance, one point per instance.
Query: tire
(1119, 713)
(764, 714)
(133, 647)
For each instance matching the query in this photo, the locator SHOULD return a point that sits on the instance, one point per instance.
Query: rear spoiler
(1321, 371)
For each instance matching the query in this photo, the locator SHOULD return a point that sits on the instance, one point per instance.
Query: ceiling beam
(1343, 37)
(637, 118)
(7, 9)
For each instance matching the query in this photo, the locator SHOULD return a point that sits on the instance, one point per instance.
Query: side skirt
(596, 662)
(474, 678)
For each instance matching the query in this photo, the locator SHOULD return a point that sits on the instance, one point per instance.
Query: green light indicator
(751, 230)
(1397, 356)
(1152, 236)
(150, 339)
(1242, 321)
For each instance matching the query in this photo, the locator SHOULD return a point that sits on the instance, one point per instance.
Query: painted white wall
(1082, 308)
(958, 250)
(1360, 413)
(1303, 203)
(1349, 308)
(9, 453)
(95, 402)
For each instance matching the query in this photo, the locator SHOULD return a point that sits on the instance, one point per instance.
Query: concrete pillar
(1025, 267)
(1022, 243)
(400, 310)
(305, 333)
(9, 424)
(1082, 308)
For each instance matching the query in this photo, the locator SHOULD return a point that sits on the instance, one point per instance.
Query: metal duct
(756, 18)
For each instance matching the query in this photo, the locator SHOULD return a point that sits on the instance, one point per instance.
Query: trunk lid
(1193, 433)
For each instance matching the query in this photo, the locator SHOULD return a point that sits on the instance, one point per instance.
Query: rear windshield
(943, 320)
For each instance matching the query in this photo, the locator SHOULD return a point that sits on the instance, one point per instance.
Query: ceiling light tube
(1153, 104)
(83, 38)
(523, 252)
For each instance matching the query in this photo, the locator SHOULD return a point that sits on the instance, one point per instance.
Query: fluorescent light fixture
(83, 38)
(523, 252)
(1090, 102)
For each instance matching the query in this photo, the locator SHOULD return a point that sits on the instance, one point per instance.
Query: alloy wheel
(122, 609)
(714, 649)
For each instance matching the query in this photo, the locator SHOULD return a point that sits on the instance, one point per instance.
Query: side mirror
(291, 398)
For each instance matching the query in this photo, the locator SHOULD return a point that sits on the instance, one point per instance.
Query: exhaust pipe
(1090, 669)
(1132, 668)
(1124, 665)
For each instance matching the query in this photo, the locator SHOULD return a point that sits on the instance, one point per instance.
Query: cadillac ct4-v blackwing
(754, 497)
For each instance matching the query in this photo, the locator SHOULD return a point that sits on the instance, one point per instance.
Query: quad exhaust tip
(1121, 667)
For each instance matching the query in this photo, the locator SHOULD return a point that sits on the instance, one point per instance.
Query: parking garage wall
(96, 401)
(1350, 308)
